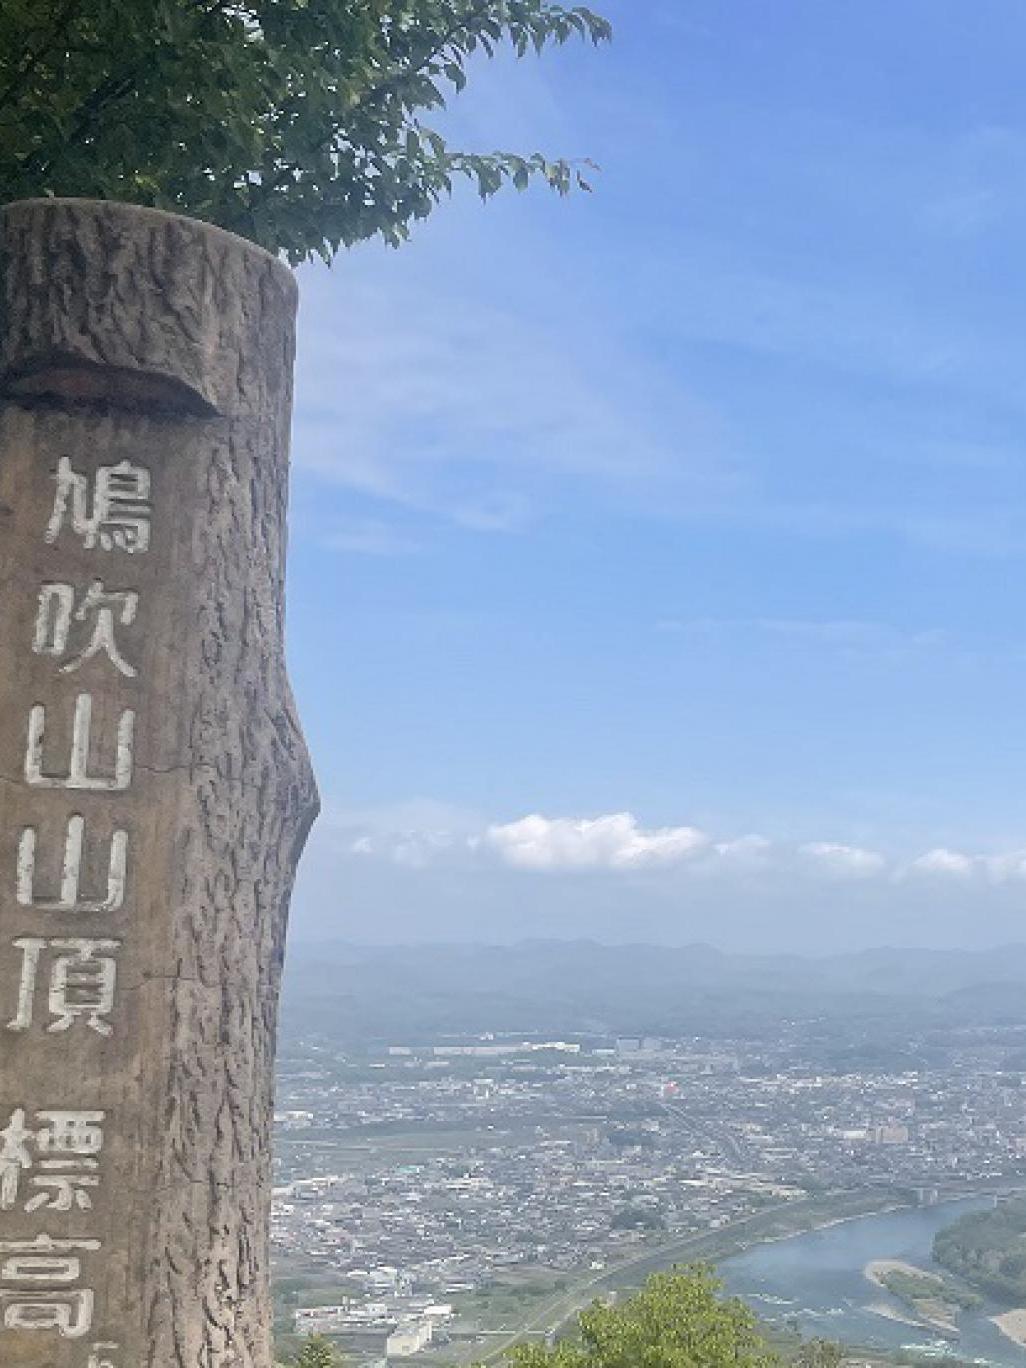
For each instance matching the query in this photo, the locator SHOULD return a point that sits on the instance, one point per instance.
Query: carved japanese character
(69, 899)
(78, 776)
(117, 518)
(43, 1272)
(82, 980)
(101, 611)
(58, 1159)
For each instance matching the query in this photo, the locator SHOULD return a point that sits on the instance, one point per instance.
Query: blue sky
(657, 555)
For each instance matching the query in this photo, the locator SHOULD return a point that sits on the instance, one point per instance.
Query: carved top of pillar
(135, 308)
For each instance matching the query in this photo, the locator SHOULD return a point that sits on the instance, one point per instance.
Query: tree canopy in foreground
(677, 1320)
(318, 1352)
(296, 123)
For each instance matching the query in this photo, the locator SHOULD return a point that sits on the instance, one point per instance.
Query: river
(818, 1280)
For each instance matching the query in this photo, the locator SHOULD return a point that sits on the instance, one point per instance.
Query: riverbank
(932, 1311)
(801, 1261)
(877, 1269)
(823, 1275)
(774, 1224)
(1012, 1325)
(889, 1313)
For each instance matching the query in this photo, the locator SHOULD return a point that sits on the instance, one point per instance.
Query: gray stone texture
(131, 335)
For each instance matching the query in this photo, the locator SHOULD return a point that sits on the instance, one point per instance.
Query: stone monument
(155, 791)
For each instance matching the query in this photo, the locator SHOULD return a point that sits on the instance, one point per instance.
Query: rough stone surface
(127, 335)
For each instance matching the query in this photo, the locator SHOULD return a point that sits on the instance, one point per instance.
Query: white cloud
(835, 859)
(413, 834)
(415, 849)
(746, 850)
(422, 833)
(944, 862)
(615, 841)
(1005, 868)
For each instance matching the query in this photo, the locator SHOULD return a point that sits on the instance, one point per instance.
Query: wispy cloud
(413, 834)
(843, 861)
(846, 639)
(1006, 867)
(488, 414)
(941, 861)
(475, 413)
(369, 537)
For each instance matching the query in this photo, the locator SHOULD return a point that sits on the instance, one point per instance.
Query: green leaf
(292, 122)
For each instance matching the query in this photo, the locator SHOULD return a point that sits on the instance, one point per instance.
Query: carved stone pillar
(155, 791)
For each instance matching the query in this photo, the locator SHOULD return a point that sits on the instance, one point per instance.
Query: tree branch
(477, 11)
(262, 192)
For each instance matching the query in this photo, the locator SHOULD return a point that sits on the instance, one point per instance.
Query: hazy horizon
(318, 944)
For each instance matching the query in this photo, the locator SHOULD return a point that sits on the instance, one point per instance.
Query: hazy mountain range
(404, 994)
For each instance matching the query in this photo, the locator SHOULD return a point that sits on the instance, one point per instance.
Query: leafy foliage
(297, 123)
(988, 1250)
(637, 1218)
(818, 1353)
(318, 1352)
(915, 1289)
(677, 1320)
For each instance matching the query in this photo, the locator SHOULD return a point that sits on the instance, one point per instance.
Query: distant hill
(402, 994)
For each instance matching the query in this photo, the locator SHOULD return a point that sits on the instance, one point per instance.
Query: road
(707, 1133)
